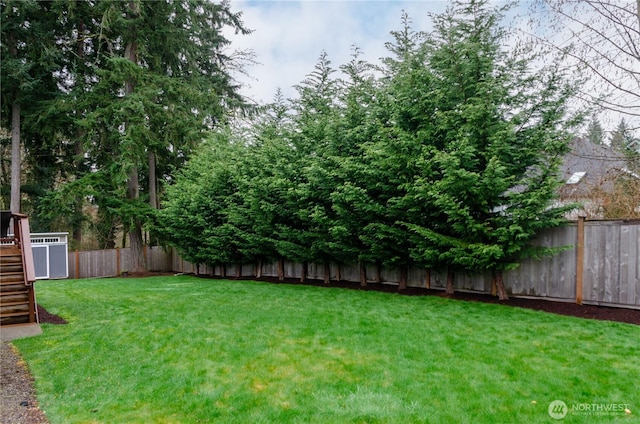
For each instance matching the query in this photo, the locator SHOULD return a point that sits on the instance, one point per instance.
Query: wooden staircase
(17, 294)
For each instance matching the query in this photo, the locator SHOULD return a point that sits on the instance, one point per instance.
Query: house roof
(589, 166)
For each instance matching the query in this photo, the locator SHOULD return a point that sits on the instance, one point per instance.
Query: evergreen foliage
(595, 133)
(120, 92)
(446, 156)
(30, 58)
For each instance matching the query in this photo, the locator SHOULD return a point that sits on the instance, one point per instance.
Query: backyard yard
(181, 349)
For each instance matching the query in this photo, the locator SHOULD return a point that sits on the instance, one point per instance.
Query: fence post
(118, 261)
(580, 260)
(77, 265)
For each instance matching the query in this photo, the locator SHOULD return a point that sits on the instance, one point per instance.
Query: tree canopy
(112, 98)
(445, 156)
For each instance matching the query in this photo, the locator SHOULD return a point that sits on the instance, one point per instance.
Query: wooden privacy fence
(601, 267)
(116, 262)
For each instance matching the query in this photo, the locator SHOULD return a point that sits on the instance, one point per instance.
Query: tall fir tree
(497, 137)
(595, 132)
(143, 84)
(30, 57)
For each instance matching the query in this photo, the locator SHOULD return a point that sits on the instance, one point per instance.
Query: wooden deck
(17, 275)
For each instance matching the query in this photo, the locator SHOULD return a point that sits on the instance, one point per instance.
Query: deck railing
(21, 237)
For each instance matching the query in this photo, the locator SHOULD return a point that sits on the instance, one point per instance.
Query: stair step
(13, 310)
(11, 277)
(9, 259)
(17, 286)
(16, 303)
(14, 314)
(12, 267)
(24, 319)
(14, 295)
(9, 251)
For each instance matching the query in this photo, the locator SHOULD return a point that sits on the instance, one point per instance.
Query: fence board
(159, 259)
(612, 262)
(611, 267)
(97, 263)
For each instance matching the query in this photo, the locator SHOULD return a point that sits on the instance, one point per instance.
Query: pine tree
(622, 138)
(595, 133)
(398, 121)
(29, 58)
(143, 84)
(493, 150)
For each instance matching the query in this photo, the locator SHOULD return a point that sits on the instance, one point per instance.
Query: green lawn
(189, 350)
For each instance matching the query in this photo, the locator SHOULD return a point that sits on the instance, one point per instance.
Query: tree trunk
(79, 149)
(281, 269)
(305, 269)
(450, 276)
(502, 291)
(259, 270)
(79, 201)
(153, 191)
(15, 155)
(133, 186)
(327, 272)
(402, 285)
(363, 275)
(138, 263)
(14, 202)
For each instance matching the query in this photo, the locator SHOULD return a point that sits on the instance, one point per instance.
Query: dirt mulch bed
(18, 403)
(605, 313)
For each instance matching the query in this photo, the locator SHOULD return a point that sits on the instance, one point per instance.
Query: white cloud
(289, 36)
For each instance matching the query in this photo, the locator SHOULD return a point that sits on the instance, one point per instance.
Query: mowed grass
(188, 350)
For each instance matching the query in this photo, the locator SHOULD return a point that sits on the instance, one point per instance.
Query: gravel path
(18, 404)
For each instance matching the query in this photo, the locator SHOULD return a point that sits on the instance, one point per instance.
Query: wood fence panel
(416, 277)
(315, 271)
(390, 275)
(350, 272)
(472, 282)
(630, 264)
(611, 267)
(612, 262)
(74, 268)
(551, 276)
(97, 263)
(270, 269)
(125, 260)
(438, 279)
(292, 269)
(159, 259)
(248, 270)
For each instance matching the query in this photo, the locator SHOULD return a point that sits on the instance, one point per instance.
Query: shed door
(41, 261)
(58, 258)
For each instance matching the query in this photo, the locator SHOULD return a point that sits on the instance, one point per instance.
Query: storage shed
(50, 255)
